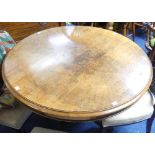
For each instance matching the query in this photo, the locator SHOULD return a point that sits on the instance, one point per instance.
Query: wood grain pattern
(77, 73)
(20, 30)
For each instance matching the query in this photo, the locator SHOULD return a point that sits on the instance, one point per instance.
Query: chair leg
(152, 54)
(133, 31)
(92, 24)
(125, 29)
(148, 36)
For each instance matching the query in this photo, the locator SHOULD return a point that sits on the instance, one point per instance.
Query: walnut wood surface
(77, 73)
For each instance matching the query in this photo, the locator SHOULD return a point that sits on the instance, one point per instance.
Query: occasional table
(77, 73)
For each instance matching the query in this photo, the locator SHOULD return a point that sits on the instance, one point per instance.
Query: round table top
(77, 73)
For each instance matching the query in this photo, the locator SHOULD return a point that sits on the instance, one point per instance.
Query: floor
(86, 127)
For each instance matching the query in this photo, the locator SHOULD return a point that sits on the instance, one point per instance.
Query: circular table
(77, 73)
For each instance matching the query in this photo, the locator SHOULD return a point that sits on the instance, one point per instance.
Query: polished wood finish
(20, 30)
(77, 73)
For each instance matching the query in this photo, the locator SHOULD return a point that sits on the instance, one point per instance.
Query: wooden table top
(77, 73)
